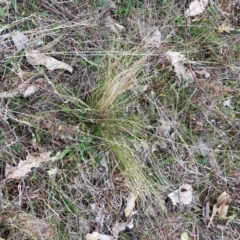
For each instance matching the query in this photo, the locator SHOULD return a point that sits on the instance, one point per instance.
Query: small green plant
(82, 151)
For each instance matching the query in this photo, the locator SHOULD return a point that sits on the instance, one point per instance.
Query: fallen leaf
(52, 172)
(113, 25)
(98, 236)
(196, 7)
(130, 205)
(227, 6)
(24, 167)
(224, 28)
(184, 236)
(118, 227)
(183, 195)
(221, 206)
(178, 60)
(20, 40)
(154, 38)
(227, 103)
(203, 72)
(23, 89)
(150, 34)
(31, 89)
(34, 57)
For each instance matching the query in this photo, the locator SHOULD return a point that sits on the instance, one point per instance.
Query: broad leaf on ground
(196, 7)
(34, 57)
(25, 167)
(130, 205)
(20, 40)
(178, 60)
(150, 35)
(183, 195)
(224, 27)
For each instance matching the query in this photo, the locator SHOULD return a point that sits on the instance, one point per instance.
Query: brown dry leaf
(224, 28)
(98, 236)
(34, 57)
(130, 205)
(221, 206)
(227, 6)
(196, 7)
(24, 167)
(183, 195)
(178, 60)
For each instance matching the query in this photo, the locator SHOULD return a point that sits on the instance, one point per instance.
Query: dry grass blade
(118, 82)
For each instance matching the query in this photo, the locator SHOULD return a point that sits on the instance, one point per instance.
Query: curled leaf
(34, 57)
(130, 205)
(224, 27)
(150, 35)
(221, 206)
(183, 195)
(31, 89)
(178, 60)
(196, 7)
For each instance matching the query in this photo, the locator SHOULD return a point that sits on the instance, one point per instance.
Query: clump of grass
(118, 128)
